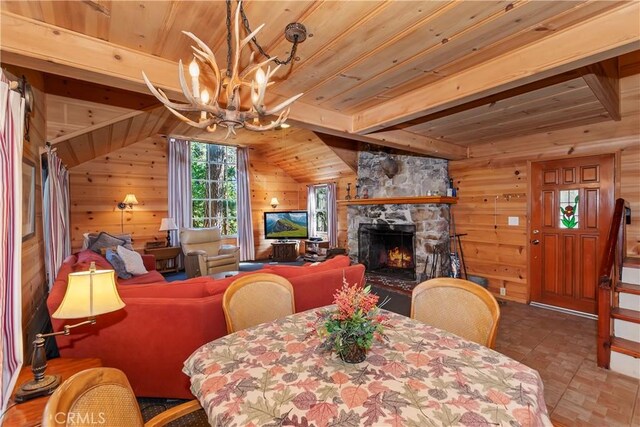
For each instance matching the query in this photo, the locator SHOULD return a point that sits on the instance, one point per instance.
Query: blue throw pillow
(118, 264)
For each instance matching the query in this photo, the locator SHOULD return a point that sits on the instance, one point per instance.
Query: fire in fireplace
(388, 249)
(399, 258)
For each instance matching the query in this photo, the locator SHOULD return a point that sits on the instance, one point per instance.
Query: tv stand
(284, 251)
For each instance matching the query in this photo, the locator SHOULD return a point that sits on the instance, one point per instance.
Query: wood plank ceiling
(363, 60)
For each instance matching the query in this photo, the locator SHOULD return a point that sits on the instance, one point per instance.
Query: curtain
(11, 139)
(55, 208)
(245, 223)
(332, 214)
(311, 208)
(179, 188)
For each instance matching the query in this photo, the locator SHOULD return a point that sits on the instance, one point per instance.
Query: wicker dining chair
(457, 306)
(103, 396)
(257, 298)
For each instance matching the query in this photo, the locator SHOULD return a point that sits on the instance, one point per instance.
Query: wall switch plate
(514, 220)
(503, 291)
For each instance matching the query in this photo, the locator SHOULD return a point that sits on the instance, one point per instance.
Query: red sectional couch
(163, 323)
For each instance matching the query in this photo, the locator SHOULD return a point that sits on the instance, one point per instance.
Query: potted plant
(351, 328)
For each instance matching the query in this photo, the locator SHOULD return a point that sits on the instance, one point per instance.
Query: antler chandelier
(222, 106)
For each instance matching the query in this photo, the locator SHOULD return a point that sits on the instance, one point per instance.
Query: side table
(29, 413)
(166, 258)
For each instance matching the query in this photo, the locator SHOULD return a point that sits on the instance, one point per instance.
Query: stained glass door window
(569, 200)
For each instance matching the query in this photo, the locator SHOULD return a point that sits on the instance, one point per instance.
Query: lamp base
(33, 388)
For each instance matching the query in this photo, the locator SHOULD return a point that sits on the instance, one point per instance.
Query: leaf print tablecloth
(273, 374)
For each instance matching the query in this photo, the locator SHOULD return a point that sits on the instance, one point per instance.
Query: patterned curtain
(179, 188)
(332, 214)
(311, 209)
(11, 135)
(245, 223)
(55, 208)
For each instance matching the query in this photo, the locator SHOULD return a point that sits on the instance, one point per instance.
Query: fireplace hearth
(388, 249)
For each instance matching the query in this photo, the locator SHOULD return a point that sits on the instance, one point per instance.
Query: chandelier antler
(212, 114)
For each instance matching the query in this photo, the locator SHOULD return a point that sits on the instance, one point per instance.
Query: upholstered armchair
(205, 254)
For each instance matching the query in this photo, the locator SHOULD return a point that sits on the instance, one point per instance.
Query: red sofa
(163, 323)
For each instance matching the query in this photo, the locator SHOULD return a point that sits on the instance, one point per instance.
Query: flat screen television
(285, 225)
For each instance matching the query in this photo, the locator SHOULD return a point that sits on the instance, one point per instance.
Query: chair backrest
(200, 239)
(257, 298)
(98, 396)
(457, 306)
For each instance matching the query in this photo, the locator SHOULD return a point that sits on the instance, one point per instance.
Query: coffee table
(224, 274)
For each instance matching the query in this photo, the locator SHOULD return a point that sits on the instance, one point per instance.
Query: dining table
(276, 373)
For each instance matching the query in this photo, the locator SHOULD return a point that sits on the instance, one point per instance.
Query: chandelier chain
(228, 38)
(254, 39)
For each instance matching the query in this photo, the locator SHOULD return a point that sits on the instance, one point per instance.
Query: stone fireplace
(421, 229)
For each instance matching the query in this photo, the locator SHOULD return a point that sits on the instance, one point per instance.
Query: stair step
(628, 288)
(621, 345)
(626, 314)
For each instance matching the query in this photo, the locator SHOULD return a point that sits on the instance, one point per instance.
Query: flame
(399, 258)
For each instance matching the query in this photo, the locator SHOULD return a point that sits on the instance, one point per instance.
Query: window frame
(323, 234)
(231, 204)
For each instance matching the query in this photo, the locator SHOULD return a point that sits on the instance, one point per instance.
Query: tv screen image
(286, 225)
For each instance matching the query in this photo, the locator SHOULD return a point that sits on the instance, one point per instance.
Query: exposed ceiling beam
(404, 140)
(560, 78)
(41, 46)
(94, 92)
(605, 36)
(401, 140)
(346, 149)
(33, 44)
(603, 80)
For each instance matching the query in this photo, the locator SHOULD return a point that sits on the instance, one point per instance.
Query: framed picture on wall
(28, 199)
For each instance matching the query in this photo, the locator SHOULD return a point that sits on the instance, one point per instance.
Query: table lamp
(168, 225)
(89, 294)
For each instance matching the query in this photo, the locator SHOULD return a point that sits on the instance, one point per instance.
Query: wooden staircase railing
(610, 275)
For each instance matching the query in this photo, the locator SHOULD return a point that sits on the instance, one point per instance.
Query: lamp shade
(130, 199)
(168, 224)
(89, 293)
(274, 202)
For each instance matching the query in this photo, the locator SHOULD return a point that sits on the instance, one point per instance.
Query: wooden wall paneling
(267, 181)
(98, 185)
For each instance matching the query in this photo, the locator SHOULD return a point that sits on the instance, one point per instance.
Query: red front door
(571, 208)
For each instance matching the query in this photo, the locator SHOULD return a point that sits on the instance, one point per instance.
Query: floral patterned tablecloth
(273, 374)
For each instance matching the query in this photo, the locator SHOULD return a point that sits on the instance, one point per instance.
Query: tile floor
(562, 348)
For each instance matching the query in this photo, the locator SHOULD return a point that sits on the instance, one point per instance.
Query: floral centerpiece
(351, 328)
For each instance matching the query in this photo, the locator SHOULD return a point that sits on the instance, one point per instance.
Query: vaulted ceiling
(428, 77)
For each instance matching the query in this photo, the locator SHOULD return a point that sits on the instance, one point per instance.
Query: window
(213, 187)
(320, 216)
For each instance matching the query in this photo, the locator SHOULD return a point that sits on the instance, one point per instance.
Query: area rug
(397, 285)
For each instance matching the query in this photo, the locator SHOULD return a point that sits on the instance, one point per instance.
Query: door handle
(535, 241)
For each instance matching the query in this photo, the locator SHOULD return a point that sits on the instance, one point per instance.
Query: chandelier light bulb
(204, 96)
(260, 76)
(194, 70)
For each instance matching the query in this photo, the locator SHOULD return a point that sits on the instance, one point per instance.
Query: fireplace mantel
(407, 200)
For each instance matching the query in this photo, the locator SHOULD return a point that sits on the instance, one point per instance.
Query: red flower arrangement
(355, 322)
